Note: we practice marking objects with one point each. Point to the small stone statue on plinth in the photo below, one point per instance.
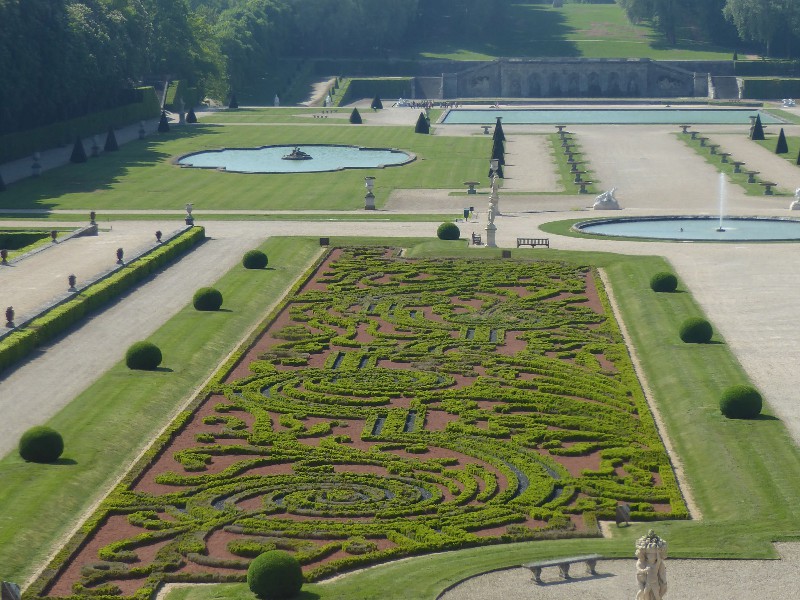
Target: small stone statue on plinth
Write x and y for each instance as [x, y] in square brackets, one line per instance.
[276, 102]
[795, 205]
[10, 316]
[491, 228]
[651, 569]
[494, 198]
[189, 217]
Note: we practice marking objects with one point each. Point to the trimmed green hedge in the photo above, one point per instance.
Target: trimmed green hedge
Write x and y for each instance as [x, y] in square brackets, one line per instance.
[764, 89]
[41, 444]
[767, 68]
[24, 143]
[179, 89]
[14, 240]
[664, 282]
[275, 575]
[44, 328]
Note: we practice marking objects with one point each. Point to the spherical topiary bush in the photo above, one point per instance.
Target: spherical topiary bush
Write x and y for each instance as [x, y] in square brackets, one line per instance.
[740, 402]
[143, 356]
[254, 259]
[207, 298]
[275, 575]
[41, 445]
[663, 282]
[696, 331]
[448, 231]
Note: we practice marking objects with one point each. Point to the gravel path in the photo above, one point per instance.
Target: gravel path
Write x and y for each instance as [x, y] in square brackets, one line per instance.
[616, 580]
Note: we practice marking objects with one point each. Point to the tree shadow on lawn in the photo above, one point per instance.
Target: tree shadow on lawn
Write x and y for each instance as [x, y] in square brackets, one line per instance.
[99, 174]
[521, 30]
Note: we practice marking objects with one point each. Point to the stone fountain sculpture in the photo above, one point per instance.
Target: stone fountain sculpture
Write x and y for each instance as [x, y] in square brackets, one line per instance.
[606, 201]
[651, 568]
[795, 205]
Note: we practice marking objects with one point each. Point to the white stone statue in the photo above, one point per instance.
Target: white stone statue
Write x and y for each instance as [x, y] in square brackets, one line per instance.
[651, 568]
[276, 101]
[490, 215]
[606, 201]
[796, 203]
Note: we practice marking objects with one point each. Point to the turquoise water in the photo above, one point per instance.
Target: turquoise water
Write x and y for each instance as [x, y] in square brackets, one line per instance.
[675, 116]
[269, 159]
[696, 228]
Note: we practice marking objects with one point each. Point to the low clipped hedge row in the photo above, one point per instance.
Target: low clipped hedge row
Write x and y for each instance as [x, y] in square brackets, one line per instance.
[44, 328]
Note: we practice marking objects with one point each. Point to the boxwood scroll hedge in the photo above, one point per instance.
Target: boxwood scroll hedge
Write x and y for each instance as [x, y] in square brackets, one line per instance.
[44, 328]
[392, 407]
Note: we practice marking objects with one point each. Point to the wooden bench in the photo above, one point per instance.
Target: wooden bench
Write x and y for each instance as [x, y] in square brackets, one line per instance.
[563, 565]
[751, 176]
[723, 156]
[737, 165]
[533, 242]
[583, 185]
[713, 148]
[476, 239]
[703, 141]
[684, 128]
[486, 129]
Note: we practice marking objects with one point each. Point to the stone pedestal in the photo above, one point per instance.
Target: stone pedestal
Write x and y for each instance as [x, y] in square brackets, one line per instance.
[369, 201]
[491, 231]
[795, 205]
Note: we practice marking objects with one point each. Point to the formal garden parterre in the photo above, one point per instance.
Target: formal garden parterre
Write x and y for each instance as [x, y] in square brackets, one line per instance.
[392, 407]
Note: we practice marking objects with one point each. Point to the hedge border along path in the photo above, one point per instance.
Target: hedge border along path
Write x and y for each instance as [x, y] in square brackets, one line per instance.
[42, 329]
[390, 410]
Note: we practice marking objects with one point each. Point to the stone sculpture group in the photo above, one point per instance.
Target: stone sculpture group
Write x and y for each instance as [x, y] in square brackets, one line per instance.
[651, 570]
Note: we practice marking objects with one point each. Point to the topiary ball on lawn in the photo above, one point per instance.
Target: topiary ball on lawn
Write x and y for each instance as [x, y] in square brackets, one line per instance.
[41, 445]
[448, 231]
[143, 356]
[254, 259]
[696, 330]
[207, 298]
[740, 402]
[275, 575]
[663, 282]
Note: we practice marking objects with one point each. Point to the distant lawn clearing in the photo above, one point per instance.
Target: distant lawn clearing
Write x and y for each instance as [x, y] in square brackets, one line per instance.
[576, 30]
[141, 176]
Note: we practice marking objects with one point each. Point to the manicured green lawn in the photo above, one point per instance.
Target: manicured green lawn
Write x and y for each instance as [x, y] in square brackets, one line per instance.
[587, 30]
[140, 176]
[792, 142]
[106, 426]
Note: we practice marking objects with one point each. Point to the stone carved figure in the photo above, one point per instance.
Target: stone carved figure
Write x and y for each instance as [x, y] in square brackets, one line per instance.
[606, 201]
[490, 215]
[795, 205]
[651, 569]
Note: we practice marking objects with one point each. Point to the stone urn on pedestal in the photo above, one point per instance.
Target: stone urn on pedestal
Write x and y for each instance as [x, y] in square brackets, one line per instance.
[369, 199]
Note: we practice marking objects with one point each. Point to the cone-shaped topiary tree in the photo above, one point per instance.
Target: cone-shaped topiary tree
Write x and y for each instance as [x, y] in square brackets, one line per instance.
[422, 125]
[781, 147]
[163, 123]
[355, 117]
[111, 141]
[498, 152]
[78, 152]
[190, 116]
[376, 103]
[2, 184]
[234, 103]
[498, 131]
[757, 131]
[797, 162]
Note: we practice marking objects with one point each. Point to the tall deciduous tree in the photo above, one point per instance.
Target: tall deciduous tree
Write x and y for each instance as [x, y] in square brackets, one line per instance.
[773, 23]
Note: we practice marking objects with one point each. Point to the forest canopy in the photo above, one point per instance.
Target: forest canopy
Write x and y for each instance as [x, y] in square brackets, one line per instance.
[66, 58]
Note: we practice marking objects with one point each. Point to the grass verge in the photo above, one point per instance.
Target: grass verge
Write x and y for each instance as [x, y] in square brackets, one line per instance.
[106, 426]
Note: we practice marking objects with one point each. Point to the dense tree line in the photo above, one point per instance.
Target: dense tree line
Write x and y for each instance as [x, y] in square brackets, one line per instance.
[65, 58]
[774, 25]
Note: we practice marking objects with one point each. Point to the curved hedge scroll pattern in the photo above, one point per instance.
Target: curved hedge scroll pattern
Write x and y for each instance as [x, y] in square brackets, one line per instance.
[395, 407]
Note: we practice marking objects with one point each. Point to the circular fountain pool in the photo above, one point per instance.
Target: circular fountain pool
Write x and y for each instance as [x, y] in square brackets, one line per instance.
[270, 159]
[688, 228]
